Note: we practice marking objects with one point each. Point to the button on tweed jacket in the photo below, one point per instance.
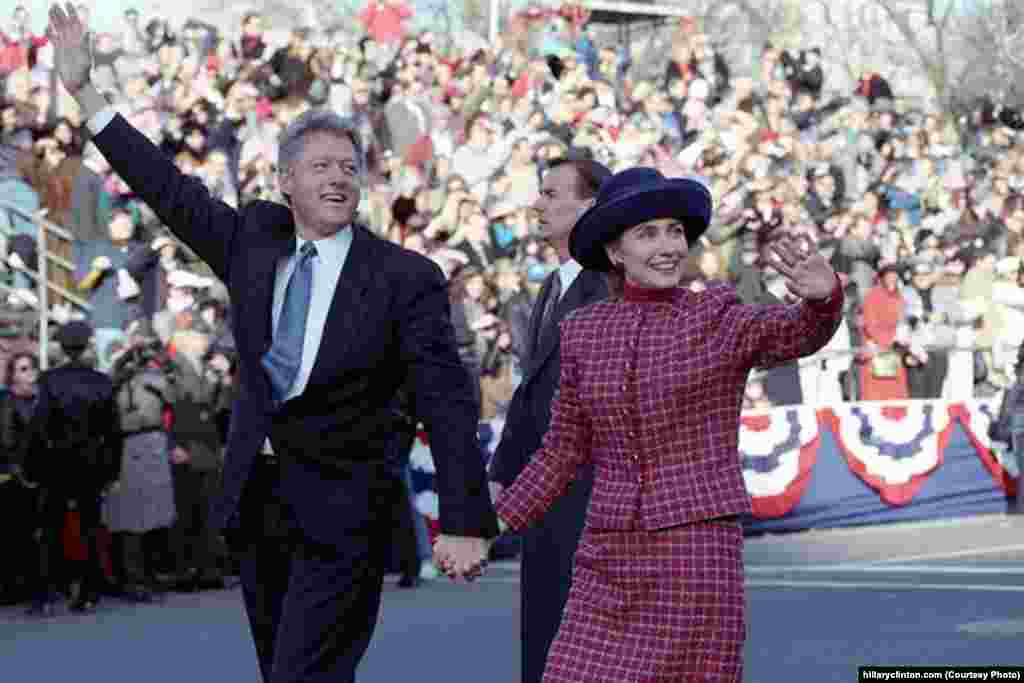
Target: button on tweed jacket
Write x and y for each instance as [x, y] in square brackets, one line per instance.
[650, 392]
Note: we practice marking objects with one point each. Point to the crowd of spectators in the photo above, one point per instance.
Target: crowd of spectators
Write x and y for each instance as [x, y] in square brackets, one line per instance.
[922, 215]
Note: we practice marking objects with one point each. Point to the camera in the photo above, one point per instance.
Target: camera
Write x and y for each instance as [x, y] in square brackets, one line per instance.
[139, 357]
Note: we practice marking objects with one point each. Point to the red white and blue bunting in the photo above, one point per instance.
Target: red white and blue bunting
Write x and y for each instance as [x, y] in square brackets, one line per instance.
[977, 416]
[421, 462]
[778, 450]
[892, 447]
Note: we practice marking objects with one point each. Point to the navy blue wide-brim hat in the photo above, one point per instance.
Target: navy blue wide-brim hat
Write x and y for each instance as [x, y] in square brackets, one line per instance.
[630, 198]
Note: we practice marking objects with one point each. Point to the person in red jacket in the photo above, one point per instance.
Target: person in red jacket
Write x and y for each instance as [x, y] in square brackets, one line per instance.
[384, 20]
[651, 387]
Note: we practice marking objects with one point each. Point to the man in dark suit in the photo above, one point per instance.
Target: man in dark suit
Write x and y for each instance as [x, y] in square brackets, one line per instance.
[329, 322]
[568, 189]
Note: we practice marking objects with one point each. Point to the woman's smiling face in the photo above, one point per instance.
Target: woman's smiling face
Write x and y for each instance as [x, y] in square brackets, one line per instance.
[651, 254]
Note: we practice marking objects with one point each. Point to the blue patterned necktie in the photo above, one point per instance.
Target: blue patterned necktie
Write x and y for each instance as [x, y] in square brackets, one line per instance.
[284, 357]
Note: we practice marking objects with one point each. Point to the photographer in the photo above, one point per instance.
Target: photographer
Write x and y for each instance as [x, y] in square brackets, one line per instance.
[139, 514]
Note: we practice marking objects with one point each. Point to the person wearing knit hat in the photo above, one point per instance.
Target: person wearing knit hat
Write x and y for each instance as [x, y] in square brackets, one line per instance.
[652, 382]
[74, 337]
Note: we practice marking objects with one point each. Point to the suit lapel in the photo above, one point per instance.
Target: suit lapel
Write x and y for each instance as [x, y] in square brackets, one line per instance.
[348, 304]
[586, 288]
[537, 314]
[262, 279]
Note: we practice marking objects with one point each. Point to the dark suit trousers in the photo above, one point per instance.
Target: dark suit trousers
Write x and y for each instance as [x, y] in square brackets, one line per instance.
[195, 543]
[312, 605]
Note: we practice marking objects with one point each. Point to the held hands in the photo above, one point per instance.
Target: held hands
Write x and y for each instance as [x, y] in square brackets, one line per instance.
[808, 275]
[179, 456]
[461, 556]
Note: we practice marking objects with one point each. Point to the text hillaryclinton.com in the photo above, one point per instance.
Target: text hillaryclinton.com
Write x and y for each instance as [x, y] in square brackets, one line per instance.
[939, 673]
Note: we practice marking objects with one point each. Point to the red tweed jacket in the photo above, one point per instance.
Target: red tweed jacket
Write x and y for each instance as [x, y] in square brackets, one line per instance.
[650, 391]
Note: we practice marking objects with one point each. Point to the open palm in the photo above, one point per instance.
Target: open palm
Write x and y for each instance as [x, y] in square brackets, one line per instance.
[806, 271]
[70, 38]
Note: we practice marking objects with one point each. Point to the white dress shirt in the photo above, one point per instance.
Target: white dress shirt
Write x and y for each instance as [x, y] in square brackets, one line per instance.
[100, 119]
[567, 273]
[331, 253]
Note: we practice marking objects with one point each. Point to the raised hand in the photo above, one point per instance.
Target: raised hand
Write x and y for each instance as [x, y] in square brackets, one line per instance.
[461, 556]
[808, 275]
[72, 53]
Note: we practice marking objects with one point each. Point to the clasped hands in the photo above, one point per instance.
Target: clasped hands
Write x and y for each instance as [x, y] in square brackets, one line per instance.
[461, 556]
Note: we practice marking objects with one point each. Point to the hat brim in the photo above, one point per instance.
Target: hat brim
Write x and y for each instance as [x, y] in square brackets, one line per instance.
[681, 198]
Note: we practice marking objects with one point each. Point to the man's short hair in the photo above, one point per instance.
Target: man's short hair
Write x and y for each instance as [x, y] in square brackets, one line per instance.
[590, 174]
[317, 120]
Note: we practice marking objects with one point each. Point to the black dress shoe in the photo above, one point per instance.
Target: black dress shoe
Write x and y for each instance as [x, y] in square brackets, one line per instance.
[186, 582]
[42, 610]
[111, 589]
[84, 605]
[139, 594]
[210, 582]
[408, 581]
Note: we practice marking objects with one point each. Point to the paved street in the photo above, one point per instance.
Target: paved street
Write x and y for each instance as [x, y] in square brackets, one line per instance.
[821, 604]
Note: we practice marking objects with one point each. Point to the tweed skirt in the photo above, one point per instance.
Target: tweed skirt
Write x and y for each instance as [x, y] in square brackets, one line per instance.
[654, 606]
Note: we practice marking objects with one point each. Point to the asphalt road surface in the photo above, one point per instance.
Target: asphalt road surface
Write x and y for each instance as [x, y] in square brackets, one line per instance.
[821, 604]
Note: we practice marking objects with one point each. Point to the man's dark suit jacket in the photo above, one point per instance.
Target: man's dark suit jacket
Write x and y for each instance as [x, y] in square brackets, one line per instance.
[548, 547]
[388, 324]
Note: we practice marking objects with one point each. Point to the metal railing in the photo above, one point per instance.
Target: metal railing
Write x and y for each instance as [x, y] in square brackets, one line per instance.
[41, 276]
[809, 364]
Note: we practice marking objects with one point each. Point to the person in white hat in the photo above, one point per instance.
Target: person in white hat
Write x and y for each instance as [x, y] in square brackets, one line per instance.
[182, 289]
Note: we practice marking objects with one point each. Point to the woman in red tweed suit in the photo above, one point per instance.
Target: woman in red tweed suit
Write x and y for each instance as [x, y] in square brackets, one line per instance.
[650, 392]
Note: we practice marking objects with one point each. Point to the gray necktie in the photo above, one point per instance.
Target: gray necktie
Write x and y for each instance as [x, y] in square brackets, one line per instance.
[284, 357]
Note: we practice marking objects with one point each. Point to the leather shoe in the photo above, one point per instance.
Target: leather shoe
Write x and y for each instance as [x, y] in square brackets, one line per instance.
[42, 610]
[83, 606]
[408, 581]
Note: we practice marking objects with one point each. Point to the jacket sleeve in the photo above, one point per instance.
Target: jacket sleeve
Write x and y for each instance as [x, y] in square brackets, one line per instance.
[35, 463]
[443, 398]
[766, 336]
[208, 226]
[566, 446]
[113, 441]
